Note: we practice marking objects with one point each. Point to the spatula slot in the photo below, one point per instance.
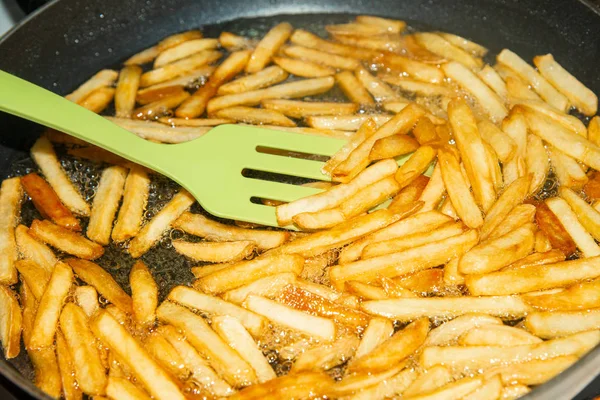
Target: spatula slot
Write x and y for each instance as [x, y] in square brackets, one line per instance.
[293, 154]
[274, 177]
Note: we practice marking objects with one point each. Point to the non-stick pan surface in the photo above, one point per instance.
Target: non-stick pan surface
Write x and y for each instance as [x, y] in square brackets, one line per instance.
[67, 41]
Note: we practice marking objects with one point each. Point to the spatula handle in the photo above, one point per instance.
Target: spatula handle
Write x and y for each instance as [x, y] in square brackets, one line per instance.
[37, 104]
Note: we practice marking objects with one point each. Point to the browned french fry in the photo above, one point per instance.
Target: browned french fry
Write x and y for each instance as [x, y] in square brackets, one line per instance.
[264, 78]
[413, 260]
[517, 217]
[393, 146]
[346, 122]
[416, 165]
[70, 387]
[106, 202]
[89, 371]
[96, 276]
[537, 277]
[144, 294]
[554, 230]
[304, 68]
[528, 73]
[126, 348]
[98, 100]
[179, 68]
[36, 277]
[43, 154]
[533, 372]
[143, 57]
[268, 46]
[438, 45]
[497, 335]
[577, 93]
[135, 195]
[353, 89]
[450, 331]
[183, 50]
[234, 42]
[583, 240]
[407, 197]
[104, 78]
[10, 323]
[592, 187]
[307, 39]
[86, 297]
[491, 78]
[161, 107]
[295, 386]
[65, 240]
[46, 319]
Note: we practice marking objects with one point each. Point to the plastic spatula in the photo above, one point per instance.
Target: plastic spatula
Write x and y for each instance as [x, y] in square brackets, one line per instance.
[209, 167]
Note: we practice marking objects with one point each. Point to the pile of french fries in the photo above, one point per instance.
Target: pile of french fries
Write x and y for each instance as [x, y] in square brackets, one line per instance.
[479, 280]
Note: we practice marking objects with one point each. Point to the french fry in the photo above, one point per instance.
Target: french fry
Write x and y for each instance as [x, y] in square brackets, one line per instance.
[304, 38]
[491, 78]
[86, 297]
[328, 356]
[179, 68]
[154, 229]
[497, 335]
[395, 349]
[127, 86]
[367, 129]
[96, 276]
[568, 171]
[393, 146]
[264, 78]
[65, 240]
[366, 291]
[126, 348]
[519, 91]
[548, 257]
[586, 214]
[196, 104]
[426, 281]
[450, 331]
[357, 29]
[388, 387]
[390, 25]
[254, 116]
[517, 217]
[33, 250]
[98, 155]
[356, 382]
[143, 57]
[234, 42]
[416, 165]
[378, 330]
[465, 44]
[528, 73]
[537, 277]
[46, 371]
[532, 372]
[580, 296]
[408, 261]
[135, 196]
[458, 190]
[216, 252]
[144, 294]
[301, 109]
[194, 122]
[46, 319]
[555, 324]
[569, 221]
[380, 91]
[104, 78]
[190, 80]
[89, 371]
[177, 39]
[537, 163]
[577, 93]
[165, 354]
[10, 323]
[408, 309]
[416, 69]
[35, 276]
[346, 122]
[223, 358]
[353, 89]
[10, 207]
[542, 244]
[184, 50]
[237, 337]
[161, 107]
[106, 202]
[98, 100]
[556, 233]
[570, 122]
[291, 386]
[304, 68]
[60, 137]
[504, 146]
[267, 287]
[268, 46]
[461, 388]
[70, 386]
[594, 130]
[121, 388]
[415, 86]
[592, 187]
[438, 45]
[320, 327]
[428, 381]
[409, 195]
[44, 156]
[302, 88]
[321, 57]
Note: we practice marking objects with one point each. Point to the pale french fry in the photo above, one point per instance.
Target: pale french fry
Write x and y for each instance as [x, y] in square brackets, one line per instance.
[395, 349]
[517, 217]
[366, 291]
[303, 68]
[353, 88]
[554, 324]
[33, 250]
[568, 121]
[165, 354]
[46, 319]
[428, 381]
[407, 309]
[161, 107]
[190, 80]
[537, 277]
[237, 337]
[10, 322]
[264, 78]
[533, 372]
[121, 388]
[497, 335]
[144, 294]
[178, 38]
[416, 165]
[143, 57]
[254, 116]
[98, 277]
[106, 202]
[438, 45]
[89, 371]
[179, 68]
[491, 78]
[515, 126]
[268, 46]
[380, 91]
[126, 348]
[98, 100]
[586, 214]
[234, 42]
[292, 386]
[307, 39]
[483, 357]
[63, 138]
[11, 195]
[519, 91]
[367, 129]
[301, 109]
[577, 93]
[415, 86]
[65, 240]
[151, 232]
[504, 146]
[70, 386]
[408, 196]
[46, 371]
[418, 70]
[223, 358]
[127, 86]
[459, 389]
[418, 223]
[378, 330]
[412, 260]
[346, 123]
[184, 50]
[450, 331]
[295, 89]
[321, 57]
[390, 25]
[104, 78]
[322, 328]
[568, 219]
[458, 190]
[35, 276]
[537, 163]
[135, 196]
[357, 29]
[388, 387]
[528, 73]
[43, 154]
[86, 297]
[266, 287]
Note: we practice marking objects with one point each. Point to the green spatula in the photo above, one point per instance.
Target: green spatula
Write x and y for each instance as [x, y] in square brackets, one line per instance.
[210, 167]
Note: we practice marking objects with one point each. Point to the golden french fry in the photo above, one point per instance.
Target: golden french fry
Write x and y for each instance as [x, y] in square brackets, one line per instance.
[184, 50]
[542, 244]
[416, 69]
[556, 233]
[579, 296]
[548, 257]
[10, 322]
[346, 122]
[292, 386]
[321, 57]
[416, 165]
[267, 287]
[428, 381]
[189, 79]
[517, 217]
[215, 251]
[179, 68]
[178, 38]
[491, 78]
[154, 229]
[353, 89]
[390, 25]
[104, 78]
[35, 276]
[465, 44]
[537, 163]
[33, 250]
[11, 195]
[121, 388]
[577, 93]
[300, 109]
[86, 297]
[358, 29]
[536, 277]
[43, 154]
[378, 330]
[98, 100]
[89, 371]
[365, 290]
[532, 372]
[161, 107]
[135, 196]
[46, 318]
[234, 42]
[46, 371]
[143, 57]
[594, 130]
[570, 122]
[223, 358]
[98, 277]
[415, 86]
[254, 116]
[106, 202]
[497, 335]
[328, 356]
[504, 146]
[586, 214]
[426, 281]
[302, 88]
[144, 294]
[519, 91]
[438, 45]
[554, 324]
[126, 348]
[408, 197]
[568, 171]
[303, 68]
[165, 354]
[264, 78]
[367, 129]
[65, 240]
[380, 91]
[237, 337]
[388, 386]
[407, 309]
[304, 38]
[569, 221]
[70, 386]
[450, 331]
[268, 46]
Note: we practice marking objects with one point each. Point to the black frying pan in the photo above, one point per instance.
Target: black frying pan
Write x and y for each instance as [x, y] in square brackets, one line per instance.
[65, 42]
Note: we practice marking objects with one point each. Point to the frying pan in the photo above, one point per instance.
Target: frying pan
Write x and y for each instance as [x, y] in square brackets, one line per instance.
[66, 41]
